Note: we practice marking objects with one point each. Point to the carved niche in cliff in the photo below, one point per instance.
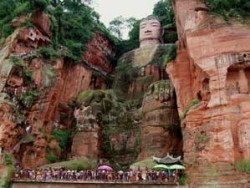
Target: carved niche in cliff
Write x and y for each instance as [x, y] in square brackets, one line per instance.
[230, 77]
[237, 78]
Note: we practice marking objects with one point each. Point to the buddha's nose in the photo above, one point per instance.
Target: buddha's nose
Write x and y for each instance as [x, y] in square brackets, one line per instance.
[147, 31]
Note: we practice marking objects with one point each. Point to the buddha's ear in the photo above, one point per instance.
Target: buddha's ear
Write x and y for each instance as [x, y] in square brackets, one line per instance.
[162, 32]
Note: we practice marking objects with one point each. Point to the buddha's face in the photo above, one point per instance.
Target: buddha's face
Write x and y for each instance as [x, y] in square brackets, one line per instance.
[150, 30]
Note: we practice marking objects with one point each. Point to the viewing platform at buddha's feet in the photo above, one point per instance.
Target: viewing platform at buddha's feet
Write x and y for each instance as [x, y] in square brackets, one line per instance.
[93, 184]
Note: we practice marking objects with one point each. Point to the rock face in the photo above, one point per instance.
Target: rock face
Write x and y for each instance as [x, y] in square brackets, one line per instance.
[105, 130]
[101, 47]
[37, 93]
[212, 67]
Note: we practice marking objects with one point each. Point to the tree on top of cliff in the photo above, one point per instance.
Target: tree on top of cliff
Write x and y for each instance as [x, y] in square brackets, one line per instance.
[73, 22]
[164, 11]
[11, 9]
[72, 26]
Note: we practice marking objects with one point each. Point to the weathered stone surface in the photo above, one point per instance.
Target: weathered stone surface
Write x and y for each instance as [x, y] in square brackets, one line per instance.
[212, 66]
[85, 145]
[102, 50]
[43, 103]
[41, 20]
[8, 132]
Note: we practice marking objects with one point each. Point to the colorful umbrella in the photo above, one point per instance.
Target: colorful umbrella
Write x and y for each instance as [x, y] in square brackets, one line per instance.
[177, 167]
[105, 167]
[161, 167]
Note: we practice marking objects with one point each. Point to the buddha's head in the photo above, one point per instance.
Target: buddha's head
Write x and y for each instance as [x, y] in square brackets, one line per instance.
[150, 31]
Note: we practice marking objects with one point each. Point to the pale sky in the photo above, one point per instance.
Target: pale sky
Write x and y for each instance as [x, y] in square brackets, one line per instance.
[110, 9]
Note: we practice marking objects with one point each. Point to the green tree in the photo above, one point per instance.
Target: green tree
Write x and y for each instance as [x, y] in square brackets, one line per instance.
[73, 26]
[9, 10]
[230, 8]
[116, 26]
[164, 11]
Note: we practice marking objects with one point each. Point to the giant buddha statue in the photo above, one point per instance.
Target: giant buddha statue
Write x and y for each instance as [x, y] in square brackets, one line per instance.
[141, 81]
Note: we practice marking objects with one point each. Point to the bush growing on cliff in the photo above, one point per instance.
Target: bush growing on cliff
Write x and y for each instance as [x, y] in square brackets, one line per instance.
[49, 52]
[170, 55]
[190, 106]
[243, 166]
[41, 4]
[51, 158]
[230, 8]
[5, 177]
[27, 99]
[62, 137]
[8, 159]
[9, 10]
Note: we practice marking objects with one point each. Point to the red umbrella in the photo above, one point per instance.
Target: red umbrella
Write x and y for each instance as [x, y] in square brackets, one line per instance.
[105, 167]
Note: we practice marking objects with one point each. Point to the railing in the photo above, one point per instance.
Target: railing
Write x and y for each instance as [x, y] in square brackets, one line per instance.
[100, 178]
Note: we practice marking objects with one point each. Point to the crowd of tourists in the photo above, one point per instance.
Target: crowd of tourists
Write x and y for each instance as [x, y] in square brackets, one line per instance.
[98, 175]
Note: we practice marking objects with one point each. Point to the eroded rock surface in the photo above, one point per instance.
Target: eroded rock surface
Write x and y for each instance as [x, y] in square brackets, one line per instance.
[40, 91]
[211, 79]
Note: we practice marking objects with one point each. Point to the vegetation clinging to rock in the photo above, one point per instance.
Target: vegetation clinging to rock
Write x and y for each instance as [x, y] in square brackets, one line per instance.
[190, 106]
[230, 8]
[62, 137]
[243, 166]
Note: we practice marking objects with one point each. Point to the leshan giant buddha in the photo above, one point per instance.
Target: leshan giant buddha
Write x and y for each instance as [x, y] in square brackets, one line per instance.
[142, 82]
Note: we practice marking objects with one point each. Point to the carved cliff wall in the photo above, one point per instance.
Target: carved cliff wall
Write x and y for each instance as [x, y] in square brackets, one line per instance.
[211, 79]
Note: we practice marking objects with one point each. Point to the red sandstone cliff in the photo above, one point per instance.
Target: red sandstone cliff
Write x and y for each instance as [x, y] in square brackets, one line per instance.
[212, 67]
[31, 109]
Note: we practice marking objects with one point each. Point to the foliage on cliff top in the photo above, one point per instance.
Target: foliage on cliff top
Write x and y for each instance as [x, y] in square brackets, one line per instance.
[11, 9]
[73, 23]
[230, 8]
[164, 11]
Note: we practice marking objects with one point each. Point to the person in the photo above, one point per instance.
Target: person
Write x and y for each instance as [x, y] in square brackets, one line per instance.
[150, 31]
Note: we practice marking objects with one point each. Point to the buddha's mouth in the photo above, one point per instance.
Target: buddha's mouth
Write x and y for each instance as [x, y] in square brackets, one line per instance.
[148, 31]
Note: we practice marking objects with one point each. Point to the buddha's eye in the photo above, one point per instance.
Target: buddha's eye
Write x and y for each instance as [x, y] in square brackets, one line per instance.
[155, 25]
